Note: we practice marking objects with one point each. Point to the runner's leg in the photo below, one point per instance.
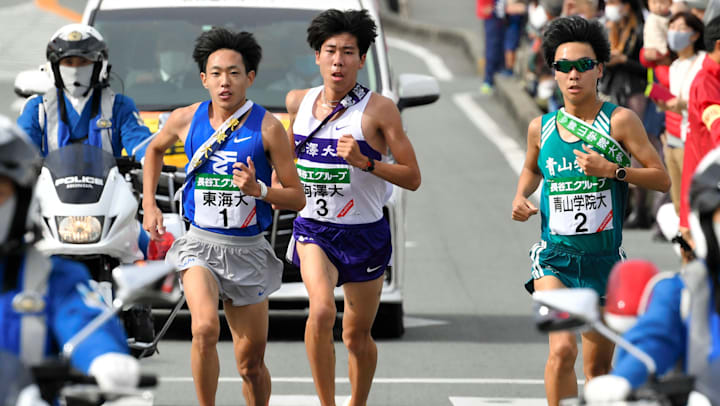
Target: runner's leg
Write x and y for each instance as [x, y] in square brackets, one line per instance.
[320, 277]
[560, 379]
[597, 355]
[361, 304]
[249, 328]
[201, 292]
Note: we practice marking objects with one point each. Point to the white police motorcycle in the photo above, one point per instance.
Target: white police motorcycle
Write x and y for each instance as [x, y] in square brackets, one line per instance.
[88, 213]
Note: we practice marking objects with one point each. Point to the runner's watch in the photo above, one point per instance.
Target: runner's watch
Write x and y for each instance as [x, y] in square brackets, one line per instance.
[263, 189]
[620, 173]
[370, 165]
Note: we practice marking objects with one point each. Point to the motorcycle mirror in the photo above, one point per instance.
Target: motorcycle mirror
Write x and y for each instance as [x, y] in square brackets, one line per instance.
[565, 309]
[30, 82]
[133, 281]
[577, 309]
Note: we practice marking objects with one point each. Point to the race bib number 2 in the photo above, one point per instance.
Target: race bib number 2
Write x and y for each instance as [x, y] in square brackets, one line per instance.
[220, 204]
[580, 206]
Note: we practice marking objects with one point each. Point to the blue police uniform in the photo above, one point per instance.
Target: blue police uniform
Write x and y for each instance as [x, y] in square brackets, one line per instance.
[126, 127]
[676, 330]
[52, 301]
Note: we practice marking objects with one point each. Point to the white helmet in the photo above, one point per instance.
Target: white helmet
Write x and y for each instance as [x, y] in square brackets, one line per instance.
[79, 40]
[20, 162]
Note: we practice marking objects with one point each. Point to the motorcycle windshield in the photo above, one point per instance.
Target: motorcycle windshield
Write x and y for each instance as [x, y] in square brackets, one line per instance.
[79, 172]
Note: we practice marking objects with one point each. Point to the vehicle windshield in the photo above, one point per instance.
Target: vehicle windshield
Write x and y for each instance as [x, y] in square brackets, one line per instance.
[151, 53]
[78, 172]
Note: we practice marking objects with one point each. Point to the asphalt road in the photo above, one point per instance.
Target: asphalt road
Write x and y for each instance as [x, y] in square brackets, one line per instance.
[469, 338]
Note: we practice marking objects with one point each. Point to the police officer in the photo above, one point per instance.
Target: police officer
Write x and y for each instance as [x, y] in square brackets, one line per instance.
[682, 321]
[45, 301]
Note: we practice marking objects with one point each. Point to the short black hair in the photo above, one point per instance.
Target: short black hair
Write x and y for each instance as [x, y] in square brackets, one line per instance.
[575, 29]
[712, 34]
[696, 24]
[329, 23]
[218, 38]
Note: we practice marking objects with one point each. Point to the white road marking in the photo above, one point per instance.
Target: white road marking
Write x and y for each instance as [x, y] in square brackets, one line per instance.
[411, 322]
[434, 63]
[412, 381]
[469, 401]
[511, 150]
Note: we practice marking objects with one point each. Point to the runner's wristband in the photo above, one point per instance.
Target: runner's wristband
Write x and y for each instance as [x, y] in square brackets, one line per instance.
[263, 189]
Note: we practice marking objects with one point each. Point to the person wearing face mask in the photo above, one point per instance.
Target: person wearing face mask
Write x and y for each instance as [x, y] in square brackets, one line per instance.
[703, 118]
[685, 38]
[624, 82]
[82, 107]
[44, 301]
[681, 324]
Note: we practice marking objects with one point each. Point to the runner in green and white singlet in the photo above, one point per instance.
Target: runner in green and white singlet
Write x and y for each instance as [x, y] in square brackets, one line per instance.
[582, 154]
[582, 212]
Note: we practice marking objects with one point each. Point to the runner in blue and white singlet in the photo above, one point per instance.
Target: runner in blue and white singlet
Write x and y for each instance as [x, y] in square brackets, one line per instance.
[210, 200]
[233, 146]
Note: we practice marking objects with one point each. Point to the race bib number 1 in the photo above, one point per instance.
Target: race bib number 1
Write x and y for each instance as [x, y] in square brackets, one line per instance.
[220, 204]
[580, 206]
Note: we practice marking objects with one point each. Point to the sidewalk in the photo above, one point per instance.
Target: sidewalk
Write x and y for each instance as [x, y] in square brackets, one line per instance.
[455, 23]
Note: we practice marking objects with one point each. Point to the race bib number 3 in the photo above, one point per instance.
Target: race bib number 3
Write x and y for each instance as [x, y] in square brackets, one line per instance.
[580, 206]
[220, 204]
[327, 191]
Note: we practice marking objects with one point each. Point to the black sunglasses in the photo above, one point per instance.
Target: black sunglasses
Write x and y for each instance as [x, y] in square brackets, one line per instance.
[581, 65]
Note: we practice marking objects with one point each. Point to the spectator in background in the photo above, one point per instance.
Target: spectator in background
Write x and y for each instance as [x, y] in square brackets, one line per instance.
[655, 30]
[678, 6]
[703, 117]
[516, 11]
[492, 12]
[624, 80]
[685, 38]
[588, 9]
[543, 86]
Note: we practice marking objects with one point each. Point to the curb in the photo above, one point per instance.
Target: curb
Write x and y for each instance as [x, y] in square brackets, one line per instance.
[508, 90]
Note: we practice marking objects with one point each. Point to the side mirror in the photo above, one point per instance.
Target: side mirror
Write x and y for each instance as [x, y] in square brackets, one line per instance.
[133, 282]
[31, 82]
[577, 309]
[417, 90]
[566, 309]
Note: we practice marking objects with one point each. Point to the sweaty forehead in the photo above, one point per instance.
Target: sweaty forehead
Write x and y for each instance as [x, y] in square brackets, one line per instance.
[574, 50]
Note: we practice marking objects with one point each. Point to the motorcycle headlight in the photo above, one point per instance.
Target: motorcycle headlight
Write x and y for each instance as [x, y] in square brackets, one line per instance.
[79, 229]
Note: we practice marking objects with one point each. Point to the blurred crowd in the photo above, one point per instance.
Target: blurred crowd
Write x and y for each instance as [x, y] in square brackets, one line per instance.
[657, 49]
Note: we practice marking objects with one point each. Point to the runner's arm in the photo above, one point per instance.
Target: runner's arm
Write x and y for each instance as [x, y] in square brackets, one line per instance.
[628, 130]
[292, 104]
[175, 128]
[289, 193]
[530, 175]
[405, 171]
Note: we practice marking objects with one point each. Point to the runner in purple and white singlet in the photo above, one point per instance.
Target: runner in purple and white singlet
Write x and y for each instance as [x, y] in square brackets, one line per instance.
[343, 134]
